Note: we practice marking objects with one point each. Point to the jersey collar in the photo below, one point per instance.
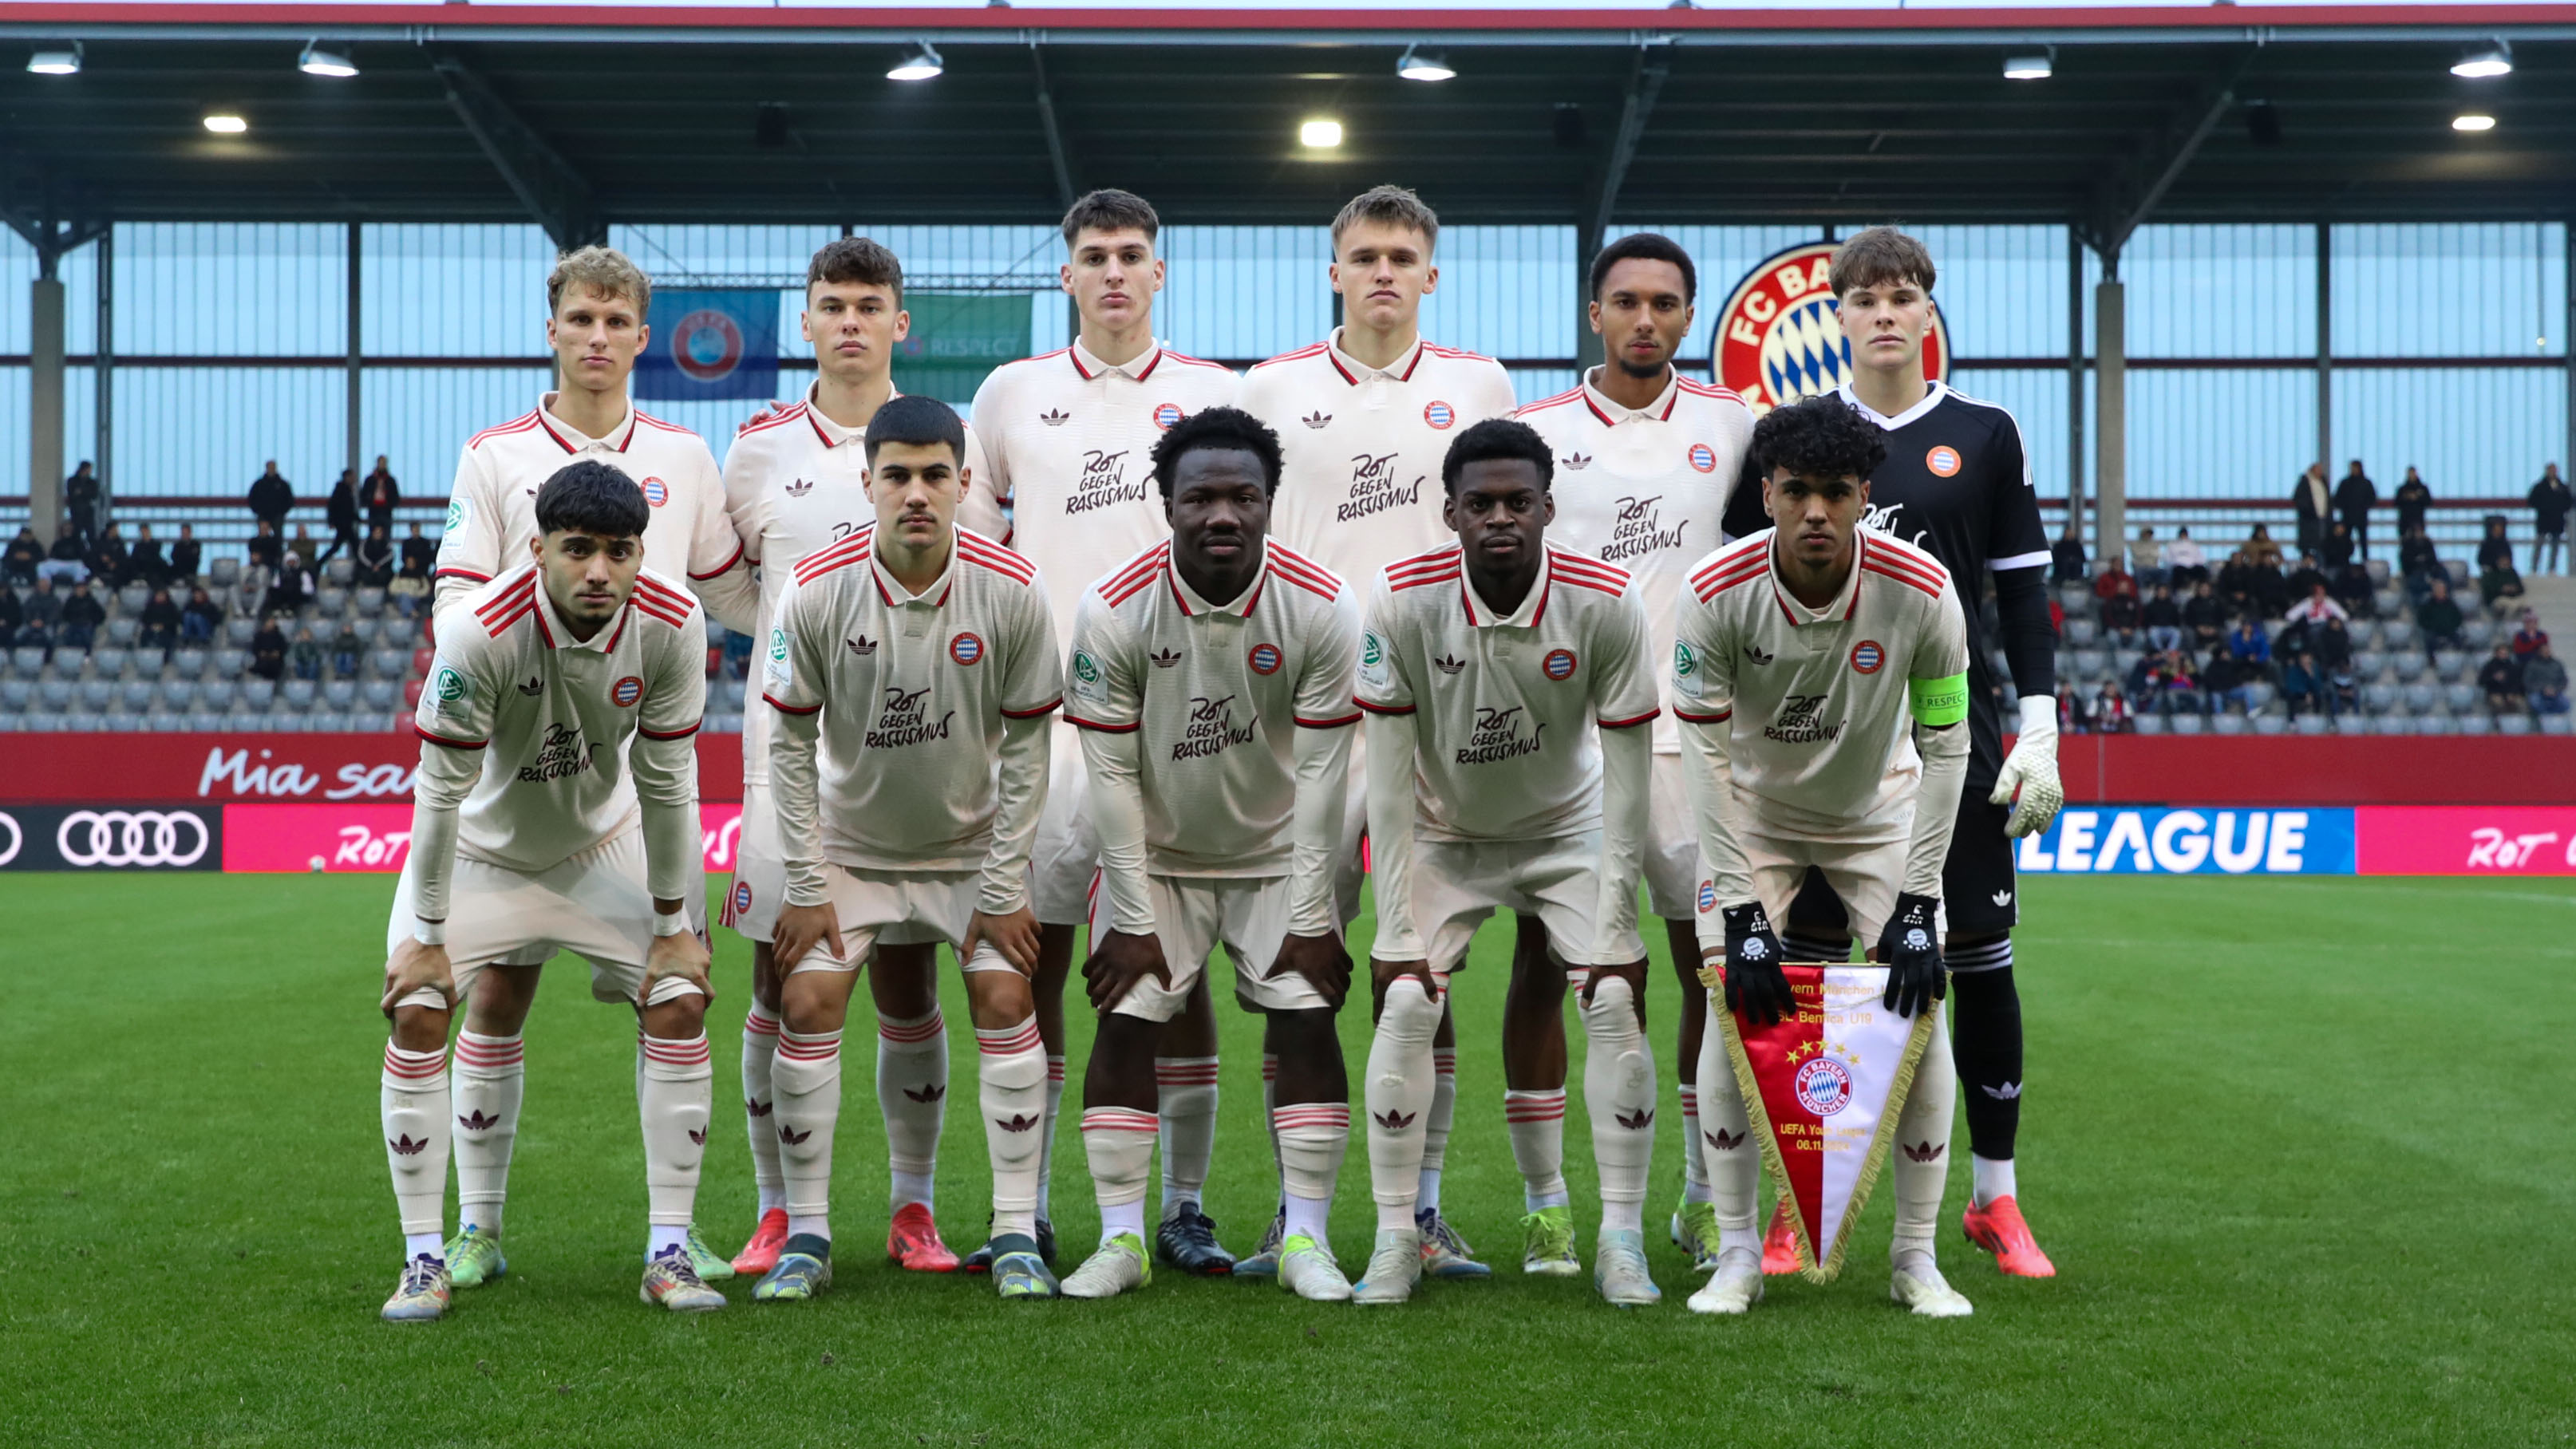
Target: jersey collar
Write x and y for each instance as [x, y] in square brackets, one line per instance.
[1354, 371]
[896, 596]
[1091, 367]
[1933, 393]
[1612, 414]
[832, 434]
[574, 440]
[1532, 609]
[1192, 606]
[1840, 607]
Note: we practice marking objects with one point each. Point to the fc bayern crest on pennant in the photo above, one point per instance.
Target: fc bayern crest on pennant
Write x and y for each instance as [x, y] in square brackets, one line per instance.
[1439, 414]
[1559, 664]
[1166, 415]
[626, 691]
[1824, 1086]
[966, 648]
[1264, 659]
[1777, 340]
[1866, 657]
[656, 492]
[1703, 457]
[707, 345]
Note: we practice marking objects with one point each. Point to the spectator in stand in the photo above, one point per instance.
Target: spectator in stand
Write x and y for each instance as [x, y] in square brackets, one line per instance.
[2249, 645]
[2500, 585]
[186, 554]
[286, 594]
[380, 495]
[2147, 681]
[410, 588]
[2146, 558]
[2316, 608]
[44, 610]
[67, 562]
[417, 549]
[2332, 643]
[2185, 564]
[2418, 563]
[2066, 556]
[2343, 690]
[26, 551]
[340, 513]
[2309, 575]
[2120, 607]
[2236, 584]
[2528, 636]
[305, 656]
[2162, 618]
[82, 616]
[2112, 578]
[302, 543]
[146, 562]
[2354, 497]
[265, 548]
[268, 650]
[2414, 502]
[2182, 686]
[2496, 576]
[160, 620]
[2271, 592]
[2205, 615]
[2352, 589]
[2110, 711]
[2302, 685]
[345, 649]
[2550, 504]
[80, 500]
[2311, 504]
[107, 558]
[271, 498]
[13, 616]
[2439, 617]
[2493, 547]
[2500, 680]
[2338, 550]
[2074, 715]
[2544, 681]
[201, 618]
[2263, 550]
[376, 557]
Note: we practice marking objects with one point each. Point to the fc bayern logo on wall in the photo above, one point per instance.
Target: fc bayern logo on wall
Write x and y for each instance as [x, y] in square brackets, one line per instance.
[1777, 339]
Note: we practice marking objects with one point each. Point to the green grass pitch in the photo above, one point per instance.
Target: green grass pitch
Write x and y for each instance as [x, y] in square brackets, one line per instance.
[2300, 1148]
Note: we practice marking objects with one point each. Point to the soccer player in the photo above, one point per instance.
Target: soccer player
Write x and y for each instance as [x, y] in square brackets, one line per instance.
[905, 662]
[1485, 668]
[1957, 484]
[557, 808]
[1212, 679]
[1802, 758]
[795, 482]
[1067, 435]
[597, 301]
[1645, 458]
[1363, 418]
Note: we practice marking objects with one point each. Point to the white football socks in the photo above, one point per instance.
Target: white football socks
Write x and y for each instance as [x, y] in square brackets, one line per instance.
[1734, 1163]
[912, 1095]
[491, 1078]
[1119, 1142]
[1694, 1149]
[1186, 1103]
[1050, 1110]
[1312, 1137]
[1919, 1163]
[1011, 1079]
[1435, 1126]
[1991, 1179]
[1397, 1096]
[412, 1103]
[759, 1101]
[808, 1079]
[1619, 1097]
[674, 1098]
[1537, 1123]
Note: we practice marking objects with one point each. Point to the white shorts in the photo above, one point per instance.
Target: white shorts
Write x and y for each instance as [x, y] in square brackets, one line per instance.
[595, 905]
[1067, 854]
[1671, 854]
[1457, 884]
[759, 869]
[1865, 876]
[900, 908]
[1193, 915]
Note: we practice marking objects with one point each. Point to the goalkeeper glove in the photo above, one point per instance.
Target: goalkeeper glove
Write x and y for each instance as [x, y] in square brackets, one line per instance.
[1755, 986]
[2028, 780]
[1910, 947]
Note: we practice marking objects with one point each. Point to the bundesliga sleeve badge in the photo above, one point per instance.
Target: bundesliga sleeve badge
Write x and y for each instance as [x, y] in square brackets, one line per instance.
[1777, 339]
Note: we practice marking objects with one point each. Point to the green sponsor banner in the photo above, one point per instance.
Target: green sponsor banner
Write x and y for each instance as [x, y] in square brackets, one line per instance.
[957, 339]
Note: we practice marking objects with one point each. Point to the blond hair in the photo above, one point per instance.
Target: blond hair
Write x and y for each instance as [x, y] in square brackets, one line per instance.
[603, 271]
[1389, 206]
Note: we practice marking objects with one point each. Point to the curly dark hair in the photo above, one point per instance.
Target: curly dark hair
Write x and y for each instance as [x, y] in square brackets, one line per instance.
[1221, 430]
[592, 497]
[1818, 437]
[1498, 438]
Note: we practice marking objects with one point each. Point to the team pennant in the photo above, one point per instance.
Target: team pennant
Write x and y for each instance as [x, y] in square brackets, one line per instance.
[1824, 1088]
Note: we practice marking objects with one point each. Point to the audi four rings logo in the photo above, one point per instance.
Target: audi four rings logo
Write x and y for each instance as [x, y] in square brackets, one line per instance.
[17, 837]
[125, 838]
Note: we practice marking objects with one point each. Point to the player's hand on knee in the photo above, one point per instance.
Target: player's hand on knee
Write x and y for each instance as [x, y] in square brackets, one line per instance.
[800, 929]
[1756, 988]
[415, 965]
[1013, 934]
[677, 958]
[1120, 960]
[1320, 959]
[1387, 973]
[1632, 972]
[1910, 945]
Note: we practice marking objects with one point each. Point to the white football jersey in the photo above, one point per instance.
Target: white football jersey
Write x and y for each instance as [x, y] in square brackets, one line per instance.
[1070, 442]
[913, 691]
[1507, 704]
[1644, 488]
[492, 510]
[795, 482]
[1218, 692]
[1360, 484]
[553, 716]
[1821, 739]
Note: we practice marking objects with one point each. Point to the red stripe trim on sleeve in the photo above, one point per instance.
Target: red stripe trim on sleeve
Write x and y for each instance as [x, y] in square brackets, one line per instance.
[452, 573]
[787, 708]
[1383, 708]
[1721, 717]
[1304, 723]
[444, 740]
[720, 569]
[1627, 724]
[1047, 708]
[1093, 724]
[675, 734]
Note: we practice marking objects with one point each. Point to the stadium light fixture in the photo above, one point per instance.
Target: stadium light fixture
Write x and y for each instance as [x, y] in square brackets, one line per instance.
[1320, 135]
[2473, 121]
[2485, 63]
[1418, 65]
[2029, 67]
[56, 62]
[317, 61]
[921, 64]
[225, 123]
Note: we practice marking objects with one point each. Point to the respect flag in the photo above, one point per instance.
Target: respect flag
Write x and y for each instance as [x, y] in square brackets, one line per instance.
[710, 344]
[1824, 1088]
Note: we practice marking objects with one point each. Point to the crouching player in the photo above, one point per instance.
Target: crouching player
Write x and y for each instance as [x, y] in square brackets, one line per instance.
[1485, 668]
[1799, 653]
[903, 662]
[1212, 681]
[556, 809]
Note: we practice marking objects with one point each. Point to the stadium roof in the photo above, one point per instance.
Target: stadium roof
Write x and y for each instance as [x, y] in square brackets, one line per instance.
[582, 115]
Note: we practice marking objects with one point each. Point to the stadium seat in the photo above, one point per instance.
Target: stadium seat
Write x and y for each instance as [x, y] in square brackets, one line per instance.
[2463, 698]
[258, 693]
[2379, 698]
[2476, 722]
[243, 721]
[2550, 724]
[2262, 695]
[132, 598]
[725, 724]
[2269, 724]
[380, 694]
[2080, 632]
[224, 572]
[11, 722]
[135, 695]
[2450, 664]
[96, 696]
[2378, 570]
[28, 660]
[2391, 724]
[2391, 603]
[2420, 698]
[239, 630]
[420, 660]
[54, 695]
[16, 695]
[340, 571]
[2513, 724]
[370, 601]
[2440, 724]
[2368, 664]
[2227, 724]
[187, 663]
[411, 692]
[108, 661]
[2186, 724]
[339, 694]
[2088, 663]
[2149, 724]
[297, 694]
[124, 630]
[2478, 634]
[38, 722]
[2410, 665]
[178, 694]
[123, 722]
[2398, 633]
[83, 722]
[228, 663]
[202, 722]
[384, 663]
[217, 695]
[331, 603]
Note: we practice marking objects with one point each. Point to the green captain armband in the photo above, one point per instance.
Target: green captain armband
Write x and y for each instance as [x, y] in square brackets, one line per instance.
[1938, 703]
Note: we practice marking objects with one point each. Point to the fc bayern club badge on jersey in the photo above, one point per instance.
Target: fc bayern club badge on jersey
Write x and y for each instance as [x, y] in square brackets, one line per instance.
[1777, 337]
[1824, 1088]
[710, 345]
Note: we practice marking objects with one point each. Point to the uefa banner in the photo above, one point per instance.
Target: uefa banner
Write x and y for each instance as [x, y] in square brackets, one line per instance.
[710, 345]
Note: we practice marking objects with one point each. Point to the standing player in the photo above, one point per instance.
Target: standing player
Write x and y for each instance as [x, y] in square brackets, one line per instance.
[597, 301]
[1802, 760]
[1644, 459]
[557, 808]
[1212, 679]
[1363, 418]
[795, 482]
[1957, 484]
[1067, 436]
[1485, 668]
[917, 655]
